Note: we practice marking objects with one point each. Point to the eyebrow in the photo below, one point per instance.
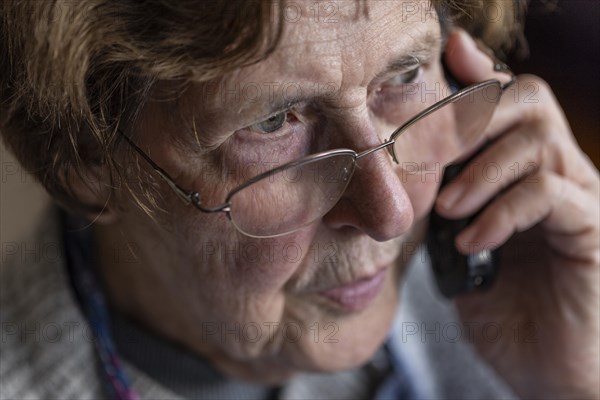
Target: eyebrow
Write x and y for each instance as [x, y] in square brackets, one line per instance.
[421, 51]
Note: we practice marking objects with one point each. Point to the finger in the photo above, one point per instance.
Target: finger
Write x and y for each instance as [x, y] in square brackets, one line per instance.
[530, 107]
[530, 99]
[506, 161]
[563, 208]
[467, 62]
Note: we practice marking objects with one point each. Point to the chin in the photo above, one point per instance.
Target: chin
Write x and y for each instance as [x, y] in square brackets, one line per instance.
[345, 340]
[332, 338]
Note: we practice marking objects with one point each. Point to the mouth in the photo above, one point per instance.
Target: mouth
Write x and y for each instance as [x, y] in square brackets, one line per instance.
[357, 295]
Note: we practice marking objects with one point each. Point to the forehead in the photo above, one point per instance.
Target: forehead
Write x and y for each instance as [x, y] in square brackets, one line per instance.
[329, 45]
[347, 34]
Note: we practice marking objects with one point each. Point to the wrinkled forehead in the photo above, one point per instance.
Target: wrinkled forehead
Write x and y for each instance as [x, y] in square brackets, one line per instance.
[347, 21]
[326, 46]
[346, 34]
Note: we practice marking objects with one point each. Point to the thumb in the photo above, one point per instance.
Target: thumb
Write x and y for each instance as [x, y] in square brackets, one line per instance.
[467, 62]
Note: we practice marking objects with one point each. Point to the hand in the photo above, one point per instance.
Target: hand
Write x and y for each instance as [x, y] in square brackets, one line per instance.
[542, 314]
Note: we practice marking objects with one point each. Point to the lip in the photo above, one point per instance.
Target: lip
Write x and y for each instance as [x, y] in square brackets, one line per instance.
[357, 295]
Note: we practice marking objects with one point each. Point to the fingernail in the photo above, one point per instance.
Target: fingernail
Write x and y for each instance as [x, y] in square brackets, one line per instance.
[467, 237]
[450, 196]
[467, 37]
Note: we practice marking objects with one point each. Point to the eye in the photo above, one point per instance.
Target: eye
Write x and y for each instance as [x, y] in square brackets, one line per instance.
[404, 78]
[400, 97]
[279, 138]
[271, 124]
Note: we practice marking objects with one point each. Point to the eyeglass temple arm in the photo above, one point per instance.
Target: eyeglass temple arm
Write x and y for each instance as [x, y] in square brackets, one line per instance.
[182, 193]
[188, 196]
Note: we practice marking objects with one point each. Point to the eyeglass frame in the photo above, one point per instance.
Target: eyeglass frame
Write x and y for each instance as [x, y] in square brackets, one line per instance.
[193, 197]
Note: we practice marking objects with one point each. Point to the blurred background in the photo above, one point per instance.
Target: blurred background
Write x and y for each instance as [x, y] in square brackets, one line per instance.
[564, 49]
[564, 44]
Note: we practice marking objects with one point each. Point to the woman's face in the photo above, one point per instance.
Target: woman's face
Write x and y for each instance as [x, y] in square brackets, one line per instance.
[322, 298]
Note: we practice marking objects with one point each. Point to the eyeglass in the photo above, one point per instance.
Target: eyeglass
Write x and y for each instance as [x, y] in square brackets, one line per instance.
[296, 194]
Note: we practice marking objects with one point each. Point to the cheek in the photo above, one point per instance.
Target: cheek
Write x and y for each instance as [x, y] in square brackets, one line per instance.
[223, 265]
[204, 261]
[244, 266]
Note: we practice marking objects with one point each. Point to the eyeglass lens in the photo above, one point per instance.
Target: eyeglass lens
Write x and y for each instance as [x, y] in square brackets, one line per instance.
[291, 198]
[448, 132]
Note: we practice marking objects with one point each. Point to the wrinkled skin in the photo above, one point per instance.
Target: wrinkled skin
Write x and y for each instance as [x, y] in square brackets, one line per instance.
[196, 280]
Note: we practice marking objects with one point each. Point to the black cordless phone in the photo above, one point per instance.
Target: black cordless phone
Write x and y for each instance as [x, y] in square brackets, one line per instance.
[454, 272]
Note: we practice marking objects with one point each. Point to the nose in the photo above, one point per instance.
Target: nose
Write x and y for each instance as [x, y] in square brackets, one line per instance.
[375, 201]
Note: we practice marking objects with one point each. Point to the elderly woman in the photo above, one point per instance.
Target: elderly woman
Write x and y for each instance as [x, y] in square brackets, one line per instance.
[246, 183]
